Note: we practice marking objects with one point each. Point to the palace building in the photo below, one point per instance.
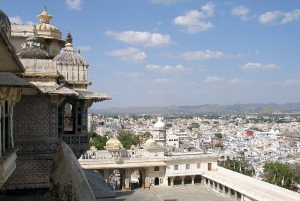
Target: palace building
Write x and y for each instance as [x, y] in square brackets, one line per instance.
[44, 104]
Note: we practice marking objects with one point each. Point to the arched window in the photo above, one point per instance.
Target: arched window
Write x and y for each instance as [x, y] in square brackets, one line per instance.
[68, 117]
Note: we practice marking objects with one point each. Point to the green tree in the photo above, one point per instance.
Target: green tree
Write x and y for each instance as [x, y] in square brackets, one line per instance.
[98, 141]
[128, 138]
[168, 125]
[276, 172]
[193, 125]
[147, 135]
[218, 135]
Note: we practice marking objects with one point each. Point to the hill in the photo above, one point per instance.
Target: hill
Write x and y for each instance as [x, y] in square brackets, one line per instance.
[206, 108]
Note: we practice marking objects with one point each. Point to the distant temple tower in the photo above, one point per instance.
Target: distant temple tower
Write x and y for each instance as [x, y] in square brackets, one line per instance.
[159, 132]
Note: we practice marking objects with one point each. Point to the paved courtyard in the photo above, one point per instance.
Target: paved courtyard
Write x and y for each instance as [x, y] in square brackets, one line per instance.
[176, 193]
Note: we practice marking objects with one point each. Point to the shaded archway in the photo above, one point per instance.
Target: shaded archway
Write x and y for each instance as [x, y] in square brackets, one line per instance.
[169, 181]
[136, 179]
[156, 181]
[187, 180]
[177, 180]
[115, 179]
[198, 179]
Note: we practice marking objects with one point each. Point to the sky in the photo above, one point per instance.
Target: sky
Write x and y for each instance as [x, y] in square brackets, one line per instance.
[180, 52]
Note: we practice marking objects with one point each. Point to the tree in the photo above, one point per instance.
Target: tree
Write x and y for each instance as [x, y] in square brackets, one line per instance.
[218, 135]
[193, 125]
[128, 138]
[168, 125]
[98, 141]
[279, 174]
[147, 135]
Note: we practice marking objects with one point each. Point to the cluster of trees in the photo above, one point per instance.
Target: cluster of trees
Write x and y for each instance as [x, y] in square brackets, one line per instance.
[284, 175]
[238, 166]
[98, 141]
[193, 125]
[218, 135]
[128, 138]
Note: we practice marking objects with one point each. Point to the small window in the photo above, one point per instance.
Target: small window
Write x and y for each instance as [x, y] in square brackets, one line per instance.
[198, 165]
[156, 168]
[176, 167]
[187, 166]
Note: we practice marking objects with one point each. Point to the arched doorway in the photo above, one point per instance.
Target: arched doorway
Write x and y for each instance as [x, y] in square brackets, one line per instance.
[169, 181]
[187, 180]
[136, 179]
[177, 181]
[115, 179]
[197, 179]
[156, 181]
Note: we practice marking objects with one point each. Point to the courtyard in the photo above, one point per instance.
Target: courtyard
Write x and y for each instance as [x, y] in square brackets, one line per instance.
[176, 193]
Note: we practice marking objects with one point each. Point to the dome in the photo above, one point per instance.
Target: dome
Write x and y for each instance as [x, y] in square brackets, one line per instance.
[113, 143]
[5, 23]
[150, 142]
[32, 50]
[69, 56]
[159, 123]
[45, 29]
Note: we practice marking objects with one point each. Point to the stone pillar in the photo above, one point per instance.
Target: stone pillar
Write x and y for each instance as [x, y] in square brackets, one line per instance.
[172, 181]
[182, 180]
[242, 197]
[223, 189]
[235, 195]
[106, 174]
[202, 180]
[193, 179]
[229, 192]
[147, 179]
[127, 178]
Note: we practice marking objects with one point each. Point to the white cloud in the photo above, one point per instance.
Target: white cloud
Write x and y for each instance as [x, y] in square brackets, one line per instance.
[129, 75]
[202, 55]
[258, 66]
[83, 48]
[193, 20]
[242, 12]
[141, 38]
[219, 80]
[214, 79]
[130, 54]
[290, 16]
[168, 69]
[161, 81]
[270, 17]
[279, 17]
[15, 19]
[74, 4]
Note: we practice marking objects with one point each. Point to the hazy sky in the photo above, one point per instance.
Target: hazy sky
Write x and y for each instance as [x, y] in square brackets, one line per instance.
[180, 52]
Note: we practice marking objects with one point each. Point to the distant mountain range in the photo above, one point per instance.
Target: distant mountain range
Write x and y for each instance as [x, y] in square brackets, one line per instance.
[207, 108]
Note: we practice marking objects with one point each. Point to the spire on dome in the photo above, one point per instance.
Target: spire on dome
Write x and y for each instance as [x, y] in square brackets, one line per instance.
[44, 17]
[69, 38]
